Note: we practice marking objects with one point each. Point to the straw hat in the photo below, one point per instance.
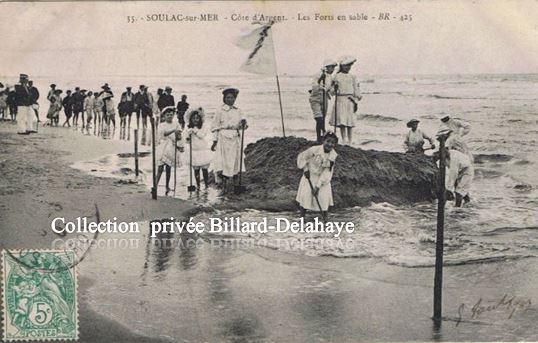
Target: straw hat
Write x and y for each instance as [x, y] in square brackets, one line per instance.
[412, 121]
[198, 110]
[231, 90]
[168, 109]
[347, 60]
[329, 62]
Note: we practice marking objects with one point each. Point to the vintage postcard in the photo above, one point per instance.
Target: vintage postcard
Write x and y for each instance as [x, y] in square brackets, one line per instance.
[269, 171]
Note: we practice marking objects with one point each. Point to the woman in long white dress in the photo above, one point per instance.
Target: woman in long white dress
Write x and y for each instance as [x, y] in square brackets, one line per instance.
[169, 140]
[227, 127]
[347, 95]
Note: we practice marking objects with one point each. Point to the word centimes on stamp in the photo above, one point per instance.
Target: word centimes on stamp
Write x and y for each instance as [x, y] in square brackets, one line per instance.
[39, 295]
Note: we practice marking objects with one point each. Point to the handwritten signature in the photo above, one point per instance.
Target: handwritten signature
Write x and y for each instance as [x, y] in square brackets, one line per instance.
[508, 304]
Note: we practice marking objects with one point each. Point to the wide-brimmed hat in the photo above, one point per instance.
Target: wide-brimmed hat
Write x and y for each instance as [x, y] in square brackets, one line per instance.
[59, 91]
[52, 85]
[409, 123]
[329, 62]
[168, 109]
[23, 76]
[198, 110]
[347, 60]
[129, 88]
[444, 117]
[231, 90]
[105, 86]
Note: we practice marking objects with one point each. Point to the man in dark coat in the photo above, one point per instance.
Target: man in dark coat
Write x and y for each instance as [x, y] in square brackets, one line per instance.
[12, 103]
[78, 105]
[182, 107]
[24, 102]
[166, 99]
[126, 105]
[67, 104]
[34, 96]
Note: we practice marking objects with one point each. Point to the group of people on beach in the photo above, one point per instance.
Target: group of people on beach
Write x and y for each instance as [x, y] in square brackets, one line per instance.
[176, 127]
[335, 91]
[224, 157]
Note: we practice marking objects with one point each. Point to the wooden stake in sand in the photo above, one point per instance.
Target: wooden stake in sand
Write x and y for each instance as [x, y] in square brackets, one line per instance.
[439, 243]
[154, 188]
[136, 151]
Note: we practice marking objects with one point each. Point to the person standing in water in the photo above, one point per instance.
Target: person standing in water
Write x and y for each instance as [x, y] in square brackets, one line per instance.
[182, 107]
[78, 106]
[98, 106]
[228, 124]
[317, 163]
[458, 129]
[347, 95]
[55, 107]
[67, 104]
[201, 154]
[127, 105]
[169, 140]
[459, 177]
[89, 102]
[319, 96]
[414, 140]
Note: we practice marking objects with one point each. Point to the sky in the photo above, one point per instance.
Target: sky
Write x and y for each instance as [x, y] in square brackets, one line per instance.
[94, 38]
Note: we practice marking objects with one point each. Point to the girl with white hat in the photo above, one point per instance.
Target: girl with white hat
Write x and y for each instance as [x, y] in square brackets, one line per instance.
[347, 93]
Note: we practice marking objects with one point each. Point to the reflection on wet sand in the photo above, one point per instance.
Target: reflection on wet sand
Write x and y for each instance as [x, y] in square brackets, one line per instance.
[236, 322]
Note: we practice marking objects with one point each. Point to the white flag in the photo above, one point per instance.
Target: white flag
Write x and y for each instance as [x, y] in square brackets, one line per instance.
[261, 59]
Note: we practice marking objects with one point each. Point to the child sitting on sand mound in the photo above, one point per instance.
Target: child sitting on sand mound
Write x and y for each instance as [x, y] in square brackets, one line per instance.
[317, 162]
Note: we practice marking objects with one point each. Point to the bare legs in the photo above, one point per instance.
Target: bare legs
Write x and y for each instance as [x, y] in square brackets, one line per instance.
[205, 174]
[160, 170]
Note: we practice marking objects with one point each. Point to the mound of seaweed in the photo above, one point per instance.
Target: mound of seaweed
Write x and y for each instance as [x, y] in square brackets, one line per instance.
[360, 176]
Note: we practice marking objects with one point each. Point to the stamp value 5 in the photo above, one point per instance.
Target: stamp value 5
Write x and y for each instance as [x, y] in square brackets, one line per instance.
[39, 295]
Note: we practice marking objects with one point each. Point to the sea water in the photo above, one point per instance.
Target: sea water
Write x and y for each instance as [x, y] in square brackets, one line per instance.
[501, 220]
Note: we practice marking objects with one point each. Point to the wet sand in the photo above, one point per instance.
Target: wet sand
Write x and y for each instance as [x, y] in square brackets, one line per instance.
[216, 292]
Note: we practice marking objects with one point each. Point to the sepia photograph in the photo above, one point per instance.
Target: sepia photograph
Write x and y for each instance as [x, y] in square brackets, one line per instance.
[269, 171]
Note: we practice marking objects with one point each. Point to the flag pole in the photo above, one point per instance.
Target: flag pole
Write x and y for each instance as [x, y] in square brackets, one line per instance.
[278, 83]
[280, 102]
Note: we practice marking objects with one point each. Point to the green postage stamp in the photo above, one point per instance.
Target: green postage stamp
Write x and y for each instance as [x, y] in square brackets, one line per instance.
[39, 295]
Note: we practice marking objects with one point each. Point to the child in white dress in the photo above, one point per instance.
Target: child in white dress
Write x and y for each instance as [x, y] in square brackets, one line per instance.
[169, 139]
[317, 163]
[201, 153]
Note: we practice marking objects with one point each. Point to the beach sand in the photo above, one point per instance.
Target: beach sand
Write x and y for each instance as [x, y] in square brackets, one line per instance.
[222, 293]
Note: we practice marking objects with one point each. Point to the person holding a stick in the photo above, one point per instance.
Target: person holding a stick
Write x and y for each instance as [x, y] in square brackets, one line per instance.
[228, 126]
[199, 156]
[317, 163]
[414, 140]
[319, 96]
[169, 140]
[347, 95]
[459, 177]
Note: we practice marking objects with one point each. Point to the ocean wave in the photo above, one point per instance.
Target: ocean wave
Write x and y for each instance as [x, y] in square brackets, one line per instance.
[377, 117]
[483, 158]
[504, 229]
[447, 262]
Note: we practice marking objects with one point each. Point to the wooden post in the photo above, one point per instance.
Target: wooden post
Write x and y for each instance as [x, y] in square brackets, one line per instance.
[136, 151]
[439, 242]
[280, 102]
[154, 188]
[335, 106]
